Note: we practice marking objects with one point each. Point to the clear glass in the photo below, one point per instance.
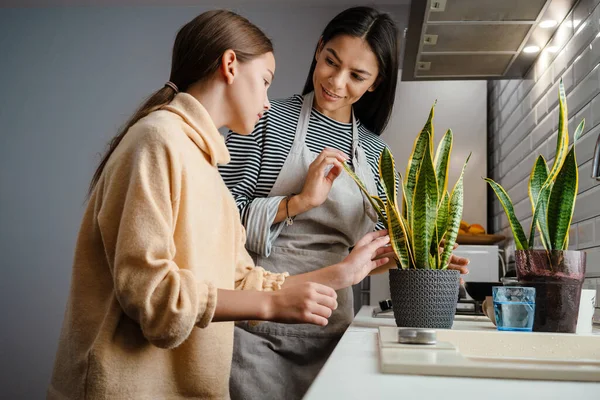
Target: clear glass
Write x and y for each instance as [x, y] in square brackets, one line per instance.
[514, 307]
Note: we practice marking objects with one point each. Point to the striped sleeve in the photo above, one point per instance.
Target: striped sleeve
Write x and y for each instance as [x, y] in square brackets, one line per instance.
[242, 176]
[261, 230]
[242, 173]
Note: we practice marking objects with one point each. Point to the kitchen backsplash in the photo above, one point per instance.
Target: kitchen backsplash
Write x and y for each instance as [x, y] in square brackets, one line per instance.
[523, 120]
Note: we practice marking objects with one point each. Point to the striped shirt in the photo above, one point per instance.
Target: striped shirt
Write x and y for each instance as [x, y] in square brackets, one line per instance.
[257, 159]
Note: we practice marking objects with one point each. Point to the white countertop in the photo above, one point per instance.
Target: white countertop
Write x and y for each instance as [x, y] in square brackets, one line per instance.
[352, 372]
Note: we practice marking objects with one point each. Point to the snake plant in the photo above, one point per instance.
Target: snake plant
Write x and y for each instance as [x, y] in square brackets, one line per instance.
[552, 192]
[424, 223]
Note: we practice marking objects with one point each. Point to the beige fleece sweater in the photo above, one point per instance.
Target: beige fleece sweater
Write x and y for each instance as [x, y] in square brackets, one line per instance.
[160, 233]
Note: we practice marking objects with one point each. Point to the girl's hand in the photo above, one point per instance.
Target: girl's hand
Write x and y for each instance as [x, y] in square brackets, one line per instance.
[303, 303]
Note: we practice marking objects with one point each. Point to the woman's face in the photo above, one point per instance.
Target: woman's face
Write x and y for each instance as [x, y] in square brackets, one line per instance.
[346, 68]
[250, 88]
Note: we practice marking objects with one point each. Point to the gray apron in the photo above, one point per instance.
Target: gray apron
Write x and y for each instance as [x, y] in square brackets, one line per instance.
[280, 361]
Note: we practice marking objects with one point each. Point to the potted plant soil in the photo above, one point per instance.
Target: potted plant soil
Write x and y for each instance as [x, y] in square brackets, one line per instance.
[555, 272]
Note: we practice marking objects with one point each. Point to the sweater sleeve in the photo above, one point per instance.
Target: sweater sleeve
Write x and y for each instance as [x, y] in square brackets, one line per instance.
[136, 221]
[250, 277]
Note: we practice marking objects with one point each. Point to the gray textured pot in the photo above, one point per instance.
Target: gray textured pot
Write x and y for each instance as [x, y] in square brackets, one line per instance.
[424, 298]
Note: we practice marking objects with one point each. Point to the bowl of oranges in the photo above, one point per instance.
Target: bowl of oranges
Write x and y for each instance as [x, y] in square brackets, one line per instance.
[475, 234]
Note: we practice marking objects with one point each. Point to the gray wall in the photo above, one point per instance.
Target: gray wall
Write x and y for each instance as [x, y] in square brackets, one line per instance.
[523, 120]
[70, 77]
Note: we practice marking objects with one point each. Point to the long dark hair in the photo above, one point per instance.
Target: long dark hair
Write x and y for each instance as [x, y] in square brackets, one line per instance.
[378, 29]
[197, 53]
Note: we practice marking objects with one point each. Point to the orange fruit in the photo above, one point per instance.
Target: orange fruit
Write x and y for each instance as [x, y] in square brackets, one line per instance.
[476, 229]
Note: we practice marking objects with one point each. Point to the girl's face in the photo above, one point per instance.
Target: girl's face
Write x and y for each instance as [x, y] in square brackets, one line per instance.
[250, 86]
[346, 68]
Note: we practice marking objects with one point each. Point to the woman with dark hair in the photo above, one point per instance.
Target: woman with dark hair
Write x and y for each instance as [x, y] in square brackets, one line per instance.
[300, 213]
[161, 248]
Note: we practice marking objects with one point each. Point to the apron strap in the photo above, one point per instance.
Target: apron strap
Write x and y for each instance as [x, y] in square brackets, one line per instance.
[354, 141]
[358, 156]
[302, 127]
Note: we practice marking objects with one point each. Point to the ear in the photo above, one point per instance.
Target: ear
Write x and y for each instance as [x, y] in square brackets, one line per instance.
[319, 48]
[229, 66]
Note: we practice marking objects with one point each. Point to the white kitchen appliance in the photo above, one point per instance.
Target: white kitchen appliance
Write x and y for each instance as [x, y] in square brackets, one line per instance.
[484, 262]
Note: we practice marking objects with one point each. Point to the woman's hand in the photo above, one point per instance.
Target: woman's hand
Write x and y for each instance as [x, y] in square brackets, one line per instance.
[366, 256]
[351, 270]
[456, 262]
[318, 183]
[303, 303]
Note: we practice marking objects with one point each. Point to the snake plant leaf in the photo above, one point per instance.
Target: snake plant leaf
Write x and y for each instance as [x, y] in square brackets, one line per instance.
[408, 228]
[429, 125]
[519, 235]
[540, 218]
[379, 202]
[539, 175]
[441, 161]
[440, 228]
[442, 218]
[455, 209]
[562, 202]
[409, 235]
[398, 236]
[404, 204]
[362, 187]
[387, 173]
[422, 143]
[380, 210]
[433, 261]
[578, 131]
[434, 257]
[424, 209]
[407, 204]
[562, 143]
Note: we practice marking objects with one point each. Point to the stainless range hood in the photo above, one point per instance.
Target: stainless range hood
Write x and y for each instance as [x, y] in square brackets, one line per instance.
[479, 39]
